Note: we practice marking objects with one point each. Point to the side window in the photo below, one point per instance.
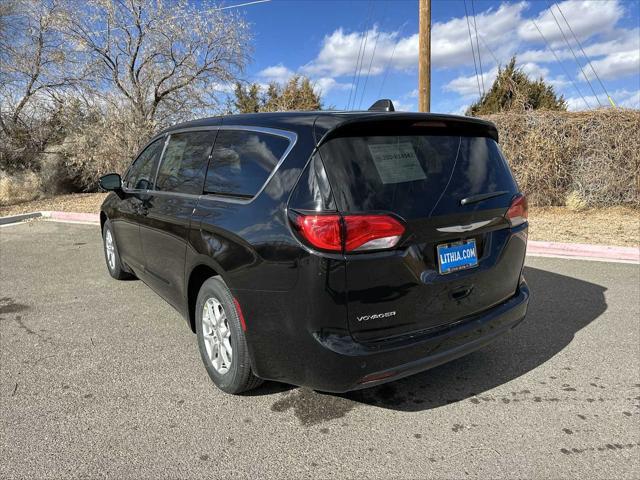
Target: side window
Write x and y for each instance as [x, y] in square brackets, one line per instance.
[242, 161]
[140, 175]
[184, 163]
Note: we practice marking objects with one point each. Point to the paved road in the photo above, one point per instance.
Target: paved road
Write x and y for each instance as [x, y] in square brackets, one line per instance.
[102, 378]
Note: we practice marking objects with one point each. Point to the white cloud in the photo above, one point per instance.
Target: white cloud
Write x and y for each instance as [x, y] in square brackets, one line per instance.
[467, 86]
[534, 71]
[631, 101]
[497, 28]
[586, 18]
[281, 75]
[616, 65]
[276, 73]
[450, 46]
[400, 106]
[621, 41]
[323, 85]
[339, 52]
[621, 97]
[579, 103]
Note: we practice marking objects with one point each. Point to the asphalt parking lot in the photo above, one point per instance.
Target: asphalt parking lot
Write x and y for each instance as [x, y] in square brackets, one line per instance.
[100, 378]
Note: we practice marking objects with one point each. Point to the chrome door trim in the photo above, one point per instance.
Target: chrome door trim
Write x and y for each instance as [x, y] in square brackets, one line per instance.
[465, 228]
[291, 136]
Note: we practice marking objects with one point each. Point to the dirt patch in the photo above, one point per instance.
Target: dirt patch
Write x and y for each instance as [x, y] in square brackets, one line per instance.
[77, 202]
[604, 226]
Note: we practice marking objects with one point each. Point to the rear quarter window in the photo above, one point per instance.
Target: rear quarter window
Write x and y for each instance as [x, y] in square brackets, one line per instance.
[242, 161]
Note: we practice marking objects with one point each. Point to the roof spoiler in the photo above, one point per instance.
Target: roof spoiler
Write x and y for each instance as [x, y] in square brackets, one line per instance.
[384, 105]
[399, 122]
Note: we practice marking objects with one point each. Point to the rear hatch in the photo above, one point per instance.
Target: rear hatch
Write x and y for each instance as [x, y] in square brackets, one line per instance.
[449, 185]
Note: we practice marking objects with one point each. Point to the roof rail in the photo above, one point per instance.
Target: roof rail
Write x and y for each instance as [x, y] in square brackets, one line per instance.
[384, 105]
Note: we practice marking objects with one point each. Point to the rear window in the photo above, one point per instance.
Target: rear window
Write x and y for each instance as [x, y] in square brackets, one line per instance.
[415, 176]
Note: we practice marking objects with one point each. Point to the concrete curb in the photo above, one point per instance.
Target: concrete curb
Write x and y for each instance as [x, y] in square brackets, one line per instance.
[583, 250]
[19, 218]
[71, 217]
[534, 248]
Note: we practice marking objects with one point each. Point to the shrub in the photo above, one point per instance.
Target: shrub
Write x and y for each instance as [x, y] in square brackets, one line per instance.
[19, 187]
[592, 155]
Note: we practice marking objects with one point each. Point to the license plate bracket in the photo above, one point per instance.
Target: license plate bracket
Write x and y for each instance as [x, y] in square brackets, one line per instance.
[456, 256]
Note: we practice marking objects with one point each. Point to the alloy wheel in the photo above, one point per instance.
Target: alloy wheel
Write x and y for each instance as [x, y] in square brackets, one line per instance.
[217, 335]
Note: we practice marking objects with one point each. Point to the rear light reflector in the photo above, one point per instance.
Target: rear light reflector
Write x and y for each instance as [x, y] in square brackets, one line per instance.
[243, 324]
[353, 233]
[518, 211]
[375, 377]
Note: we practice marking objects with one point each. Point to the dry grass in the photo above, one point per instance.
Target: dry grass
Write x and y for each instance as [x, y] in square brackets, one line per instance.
[75, 202]
[590, 159]
[605, 226]
[19, 188]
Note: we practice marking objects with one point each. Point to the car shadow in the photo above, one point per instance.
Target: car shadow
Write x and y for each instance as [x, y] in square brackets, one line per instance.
[559, 307]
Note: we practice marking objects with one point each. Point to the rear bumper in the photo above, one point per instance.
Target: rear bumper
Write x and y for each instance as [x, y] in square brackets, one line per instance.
[343, 364]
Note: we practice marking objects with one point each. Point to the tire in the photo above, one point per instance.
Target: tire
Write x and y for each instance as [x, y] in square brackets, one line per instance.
[229, 371]
[114, 265]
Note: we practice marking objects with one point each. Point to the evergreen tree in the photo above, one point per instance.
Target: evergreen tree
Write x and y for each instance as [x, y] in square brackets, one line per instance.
[297, 94]
[513, 91]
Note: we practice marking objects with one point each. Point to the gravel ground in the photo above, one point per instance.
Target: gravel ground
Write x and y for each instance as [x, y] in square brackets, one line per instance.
[604, 226]
[102, 379]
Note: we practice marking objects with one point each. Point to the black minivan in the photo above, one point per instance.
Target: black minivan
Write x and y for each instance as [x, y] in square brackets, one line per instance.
[334, 250]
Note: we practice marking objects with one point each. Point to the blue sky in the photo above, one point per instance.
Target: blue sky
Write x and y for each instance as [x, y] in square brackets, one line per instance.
[322, 38]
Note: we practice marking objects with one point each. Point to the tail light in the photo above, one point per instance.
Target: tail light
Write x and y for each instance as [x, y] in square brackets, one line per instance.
[351, 233]
[371, 232]
[322, 231]
[518, 211]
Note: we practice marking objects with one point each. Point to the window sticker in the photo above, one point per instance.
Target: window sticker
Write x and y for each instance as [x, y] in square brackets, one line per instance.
[396, 163]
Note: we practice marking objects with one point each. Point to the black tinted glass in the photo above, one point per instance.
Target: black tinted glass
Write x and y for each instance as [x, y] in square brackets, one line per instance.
[312, 191]
[140, 175]
[242, 161]
[414, 175]
[184, 162]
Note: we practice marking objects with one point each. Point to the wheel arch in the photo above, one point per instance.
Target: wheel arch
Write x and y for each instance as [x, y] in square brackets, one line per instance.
[199, 273]
[103, 219]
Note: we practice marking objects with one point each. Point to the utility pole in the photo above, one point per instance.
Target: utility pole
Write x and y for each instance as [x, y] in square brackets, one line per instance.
[424, 57]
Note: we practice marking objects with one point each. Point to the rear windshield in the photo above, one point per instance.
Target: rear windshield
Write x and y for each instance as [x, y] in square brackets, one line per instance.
[415, 176]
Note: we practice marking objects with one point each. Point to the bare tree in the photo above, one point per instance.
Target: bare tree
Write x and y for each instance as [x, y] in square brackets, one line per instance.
[36, 66]
[164, 59]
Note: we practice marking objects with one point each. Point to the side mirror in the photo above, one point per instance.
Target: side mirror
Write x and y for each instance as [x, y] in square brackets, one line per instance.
[110, 182]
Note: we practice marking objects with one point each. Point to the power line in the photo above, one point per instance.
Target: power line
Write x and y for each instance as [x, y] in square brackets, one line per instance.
[375, 46]
[366, 78]
[486, 45]
[574, 56]
[364, 49]
[353, 82]
[569, 76]
[386, 68]
[584, 53]
[473, 51]
[360, 51]
[475, 27]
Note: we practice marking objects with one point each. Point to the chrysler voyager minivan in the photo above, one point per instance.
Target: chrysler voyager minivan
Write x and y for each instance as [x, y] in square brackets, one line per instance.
[334, 250]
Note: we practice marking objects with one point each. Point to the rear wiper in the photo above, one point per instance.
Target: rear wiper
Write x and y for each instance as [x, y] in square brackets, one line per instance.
[481, 196]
